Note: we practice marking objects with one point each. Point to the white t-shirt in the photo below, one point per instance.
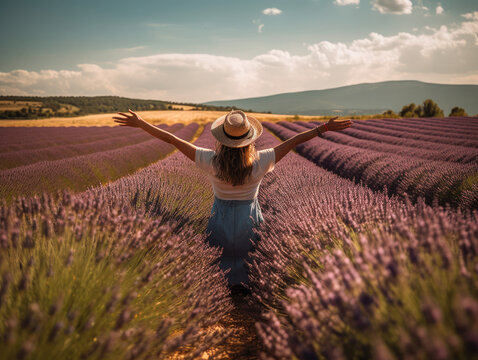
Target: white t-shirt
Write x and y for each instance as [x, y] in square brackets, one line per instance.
[262, 165]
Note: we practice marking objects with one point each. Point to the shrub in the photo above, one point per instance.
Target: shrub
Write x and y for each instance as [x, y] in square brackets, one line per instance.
[458, 111]
[390, 114]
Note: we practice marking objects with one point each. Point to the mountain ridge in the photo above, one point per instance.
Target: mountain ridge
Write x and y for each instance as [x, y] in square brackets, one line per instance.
[364, 98]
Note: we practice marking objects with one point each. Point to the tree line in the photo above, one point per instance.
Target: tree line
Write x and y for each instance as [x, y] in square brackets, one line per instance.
[55, 106]
[428, 108]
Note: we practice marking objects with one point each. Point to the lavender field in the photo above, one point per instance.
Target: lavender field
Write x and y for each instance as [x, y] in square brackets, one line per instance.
[71, 161]
[369, 249]
[433, 160]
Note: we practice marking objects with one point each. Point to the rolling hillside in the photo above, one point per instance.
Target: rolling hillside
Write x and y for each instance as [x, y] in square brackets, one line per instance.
[362, 99]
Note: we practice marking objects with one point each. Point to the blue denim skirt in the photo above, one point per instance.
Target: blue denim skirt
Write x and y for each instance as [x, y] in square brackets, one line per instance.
[230, 227]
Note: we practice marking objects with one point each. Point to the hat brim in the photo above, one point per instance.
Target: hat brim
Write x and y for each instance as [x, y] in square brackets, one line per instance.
[218, 132]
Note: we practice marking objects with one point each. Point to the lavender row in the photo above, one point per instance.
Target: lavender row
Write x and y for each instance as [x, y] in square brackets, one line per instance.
[389, 144]
[467, 153]
[78, 173]
[436, 130]
[24, 157]
[411, 134]
[461, 123]
[84, 277]
[345, 272]
[15, 134]
[446, 125]
[20, 138]
[26, 135]
[467, 119]
[435, 181]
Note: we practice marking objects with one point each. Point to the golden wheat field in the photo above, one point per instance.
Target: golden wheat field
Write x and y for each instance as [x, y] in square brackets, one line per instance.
[155, 117]
[36, 106]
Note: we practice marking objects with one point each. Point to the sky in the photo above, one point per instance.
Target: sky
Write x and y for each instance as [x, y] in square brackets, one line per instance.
[198, 51]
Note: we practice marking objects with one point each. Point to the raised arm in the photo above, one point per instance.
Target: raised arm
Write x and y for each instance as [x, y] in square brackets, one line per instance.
[284, 147]
[134, 120]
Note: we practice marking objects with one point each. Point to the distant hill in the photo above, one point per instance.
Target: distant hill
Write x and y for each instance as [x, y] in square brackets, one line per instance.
[369, 98]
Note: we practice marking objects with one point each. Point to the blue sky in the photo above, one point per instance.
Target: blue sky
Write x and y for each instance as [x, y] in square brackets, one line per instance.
[210, 50]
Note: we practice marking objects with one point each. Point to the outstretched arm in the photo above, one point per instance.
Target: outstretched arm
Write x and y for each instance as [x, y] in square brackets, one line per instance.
[134, 120]
[283, 148]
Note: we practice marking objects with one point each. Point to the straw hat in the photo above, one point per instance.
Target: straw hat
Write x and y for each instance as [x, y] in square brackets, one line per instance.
[236, 129]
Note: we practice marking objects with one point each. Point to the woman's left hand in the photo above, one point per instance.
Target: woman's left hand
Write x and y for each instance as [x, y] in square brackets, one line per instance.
[133, 119]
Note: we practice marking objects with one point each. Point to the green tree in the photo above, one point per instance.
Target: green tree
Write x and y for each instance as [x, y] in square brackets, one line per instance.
[410, 110]
[431, 109]
[458, 111]
[390, 114]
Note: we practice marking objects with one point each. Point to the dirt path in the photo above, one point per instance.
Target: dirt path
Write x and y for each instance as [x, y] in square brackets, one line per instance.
[243, 343]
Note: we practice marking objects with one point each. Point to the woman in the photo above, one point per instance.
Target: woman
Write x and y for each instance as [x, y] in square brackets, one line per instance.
[235, 170]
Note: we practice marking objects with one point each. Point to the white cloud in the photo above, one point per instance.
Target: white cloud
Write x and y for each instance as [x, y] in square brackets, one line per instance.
[393, 6]
[439, 10]
[445, 54]
[260, 27]
[271, 11]
[347, 2]
[470, 27]
[471, 16]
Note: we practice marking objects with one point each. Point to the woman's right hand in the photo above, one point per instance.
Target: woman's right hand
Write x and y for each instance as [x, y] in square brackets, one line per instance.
[337, 125]
[132, 119]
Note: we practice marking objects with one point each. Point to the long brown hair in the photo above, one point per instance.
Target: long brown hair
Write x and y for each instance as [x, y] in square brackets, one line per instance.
[234, 165]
